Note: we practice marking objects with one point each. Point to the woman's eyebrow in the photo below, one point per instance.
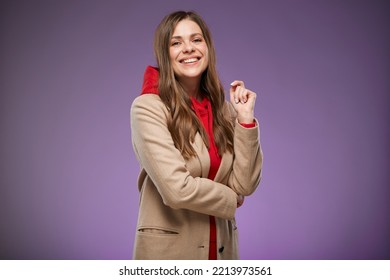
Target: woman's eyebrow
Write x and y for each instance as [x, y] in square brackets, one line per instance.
[192, 35]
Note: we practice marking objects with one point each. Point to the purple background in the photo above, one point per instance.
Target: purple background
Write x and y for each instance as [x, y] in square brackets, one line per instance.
[70, 70]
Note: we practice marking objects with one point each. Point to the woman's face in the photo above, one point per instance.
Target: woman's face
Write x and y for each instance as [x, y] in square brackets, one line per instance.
[188, 51]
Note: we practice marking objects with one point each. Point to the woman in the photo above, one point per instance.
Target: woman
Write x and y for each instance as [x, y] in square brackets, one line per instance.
[199, 155]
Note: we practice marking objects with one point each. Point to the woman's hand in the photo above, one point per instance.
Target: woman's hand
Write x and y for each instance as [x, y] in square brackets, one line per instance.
[240, 200]
[243, 101]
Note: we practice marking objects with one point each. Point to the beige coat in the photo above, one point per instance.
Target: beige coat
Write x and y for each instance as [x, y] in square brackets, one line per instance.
[176, 197]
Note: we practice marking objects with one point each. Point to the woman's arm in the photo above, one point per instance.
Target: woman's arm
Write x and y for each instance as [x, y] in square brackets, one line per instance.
[248, 160]
[166, 167]
[248, 156]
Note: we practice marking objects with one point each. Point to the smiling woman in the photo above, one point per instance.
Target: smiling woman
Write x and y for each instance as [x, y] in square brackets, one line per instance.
[189, 55]
[199, 154]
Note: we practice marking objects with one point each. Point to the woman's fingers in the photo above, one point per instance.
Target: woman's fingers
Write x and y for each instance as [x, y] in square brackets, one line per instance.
[238, 92]
[240, 200]
[237, 83]
[242, 94]
[243, 101]
[234, 89]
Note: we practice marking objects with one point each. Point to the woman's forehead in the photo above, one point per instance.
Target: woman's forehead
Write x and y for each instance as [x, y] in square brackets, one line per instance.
[186, 27]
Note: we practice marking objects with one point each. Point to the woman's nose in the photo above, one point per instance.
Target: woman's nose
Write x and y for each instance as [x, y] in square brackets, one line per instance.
[188, 47]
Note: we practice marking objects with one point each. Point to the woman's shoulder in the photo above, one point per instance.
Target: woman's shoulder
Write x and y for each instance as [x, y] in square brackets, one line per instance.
[148, 100]
[150, 103]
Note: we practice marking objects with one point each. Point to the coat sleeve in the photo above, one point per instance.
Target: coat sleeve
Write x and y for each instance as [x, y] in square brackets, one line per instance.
[248, 157]
[164, 164]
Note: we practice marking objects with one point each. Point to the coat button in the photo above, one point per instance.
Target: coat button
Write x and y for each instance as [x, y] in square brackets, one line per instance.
[221, 249]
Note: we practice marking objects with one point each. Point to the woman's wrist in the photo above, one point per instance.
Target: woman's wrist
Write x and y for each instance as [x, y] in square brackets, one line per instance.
[248, 118]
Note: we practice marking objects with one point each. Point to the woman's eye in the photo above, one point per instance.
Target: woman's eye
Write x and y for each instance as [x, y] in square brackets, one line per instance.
[175, 43]
[197, 40]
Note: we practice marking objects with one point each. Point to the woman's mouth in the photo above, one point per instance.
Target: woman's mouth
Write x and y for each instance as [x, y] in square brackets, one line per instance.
[189, 60]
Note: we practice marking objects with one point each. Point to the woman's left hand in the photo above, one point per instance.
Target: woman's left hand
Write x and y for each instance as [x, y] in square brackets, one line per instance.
[243, 101]
[240, 200]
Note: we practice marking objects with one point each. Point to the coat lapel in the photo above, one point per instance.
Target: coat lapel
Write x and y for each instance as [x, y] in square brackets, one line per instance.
[204, 160]
[226, 164]
[202, 155]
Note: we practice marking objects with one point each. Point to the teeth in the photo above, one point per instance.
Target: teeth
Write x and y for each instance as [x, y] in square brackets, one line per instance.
[190, 60]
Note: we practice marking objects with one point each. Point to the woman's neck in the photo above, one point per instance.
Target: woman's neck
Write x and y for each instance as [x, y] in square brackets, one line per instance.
[192, 89]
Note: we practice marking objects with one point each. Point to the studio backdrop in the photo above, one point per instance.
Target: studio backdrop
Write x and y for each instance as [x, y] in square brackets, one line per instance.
[69, 71]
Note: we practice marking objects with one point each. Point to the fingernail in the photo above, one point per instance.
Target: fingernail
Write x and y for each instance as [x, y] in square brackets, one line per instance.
[236, 100]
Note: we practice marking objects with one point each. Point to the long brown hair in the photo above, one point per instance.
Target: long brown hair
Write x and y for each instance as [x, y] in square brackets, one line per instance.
[183, 123]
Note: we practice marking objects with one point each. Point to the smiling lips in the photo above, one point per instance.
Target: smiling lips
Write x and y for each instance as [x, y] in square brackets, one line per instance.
[189, 60]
